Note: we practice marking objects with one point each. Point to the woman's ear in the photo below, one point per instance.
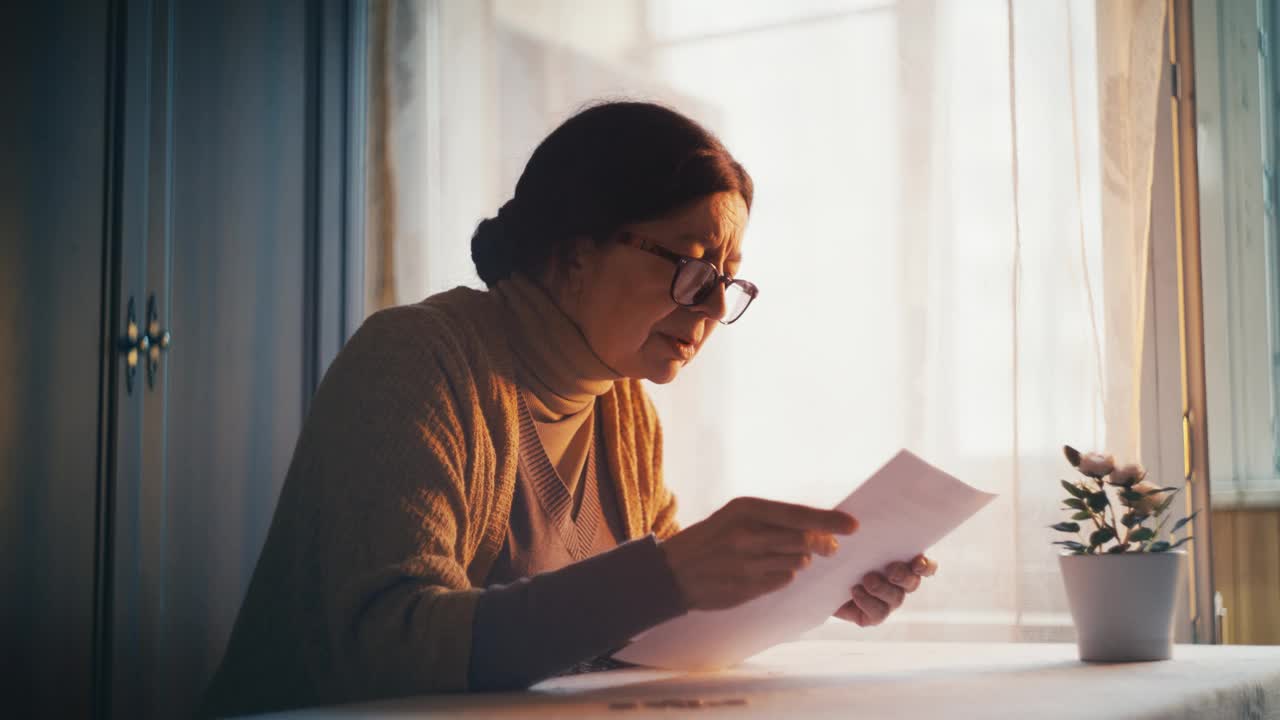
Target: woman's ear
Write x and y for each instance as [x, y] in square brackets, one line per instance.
[581, 258]
[571, 262]
[581, 253]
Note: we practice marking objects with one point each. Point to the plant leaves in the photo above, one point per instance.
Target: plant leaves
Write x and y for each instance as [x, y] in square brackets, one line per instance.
[1164, 505]
[1066, 527]
[1074, 489]
[1142, 534]
[1116, 550]
[1159, 546]
[1098, 500]
[1100, 536]
[1178, 525]
[1075, 503]
[1082, 515]
[1073, 455]
[1071, 545]
[1131, 495]
[1131, 519]
[1160, 490]
[1180, 542]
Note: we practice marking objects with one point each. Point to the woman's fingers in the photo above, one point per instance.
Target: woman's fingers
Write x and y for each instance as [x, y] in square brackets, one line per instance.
[900, 574]
[778, 540]
[824, 544]
[923, 566]
[865, 608]
[883, 590]
[749, 547]
[879, 594]
[852, 613]
[796, 517]
[874, 609]
[770, 564]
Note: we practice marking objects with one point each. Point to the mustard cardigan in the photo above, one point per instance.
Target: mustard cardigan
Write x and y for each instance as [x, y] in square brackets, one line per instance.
[395, 506]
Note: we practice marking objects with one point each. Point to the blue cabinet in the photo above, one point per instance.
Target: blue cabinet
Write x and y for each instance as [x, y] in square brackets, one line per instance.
[194, 169]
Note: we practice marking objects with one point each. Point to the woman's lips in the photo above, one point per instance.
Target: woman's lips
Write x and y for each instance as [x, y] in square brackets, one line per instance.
[683, 350]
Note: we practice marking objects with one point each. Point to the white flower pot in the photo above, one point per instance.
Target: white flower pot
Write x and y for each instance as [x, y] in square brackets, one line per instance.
[1123, 604]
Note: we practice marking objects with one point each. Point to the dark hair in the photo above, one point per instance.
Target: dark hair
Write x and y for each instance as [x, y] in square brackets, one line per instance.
[609, 165]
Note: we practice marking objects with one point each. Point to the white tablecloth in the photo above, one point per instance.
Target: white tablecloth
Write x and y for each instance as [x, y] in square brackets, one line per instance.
[839, 678]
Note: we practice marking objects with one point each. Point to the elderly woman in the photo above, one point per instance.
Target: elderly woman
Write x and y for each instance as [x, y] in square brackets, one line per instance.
[476, 501]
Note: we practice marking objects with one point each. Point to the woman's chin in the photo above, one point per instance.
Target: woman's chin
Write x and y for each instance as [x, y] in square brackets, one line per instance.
[665, 373]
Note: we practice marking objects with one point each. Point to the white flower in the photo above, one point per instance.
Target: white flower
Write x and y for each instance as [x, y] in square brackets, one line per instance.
[1126, 475]
[1096, 465]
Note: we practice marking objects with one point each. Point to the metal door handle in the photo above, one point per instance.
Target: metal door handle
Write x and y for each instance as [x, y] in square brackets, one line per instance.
[156, 341]
[136, 344]
[131, 345]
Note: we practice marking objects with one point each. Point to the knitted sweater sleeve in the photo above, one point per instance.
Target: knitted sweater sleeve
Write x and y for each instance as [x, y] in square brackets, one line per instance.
[399, 437]
[538, 626]
[360, 590]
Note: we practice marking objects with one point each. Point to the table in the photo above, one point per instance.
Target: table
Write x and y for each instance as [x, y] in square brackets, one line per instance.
[839, 678]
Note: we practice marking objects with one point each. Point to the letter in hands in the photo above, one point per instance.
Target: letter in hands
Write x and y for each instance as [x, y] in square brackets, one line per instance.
[748, 548]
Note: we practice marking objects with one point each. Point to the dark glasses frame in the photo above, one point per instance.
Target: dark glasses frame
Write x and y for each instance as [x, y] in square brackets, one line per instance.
[748, 288]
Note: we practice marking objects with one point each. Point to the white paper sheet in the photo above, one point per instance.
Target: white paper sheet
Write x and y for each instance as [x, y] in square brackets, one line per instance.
[903, 509]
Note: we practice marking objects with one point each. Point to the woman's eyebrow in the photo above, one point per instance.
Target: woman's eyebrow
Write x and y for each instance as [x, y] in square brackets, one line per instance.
[693, 245]
[708, 243]
[706, 239]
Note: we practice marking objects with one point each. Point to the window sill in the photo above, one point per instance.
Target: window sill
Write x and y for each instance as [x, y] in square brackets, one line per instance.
[1231, 496]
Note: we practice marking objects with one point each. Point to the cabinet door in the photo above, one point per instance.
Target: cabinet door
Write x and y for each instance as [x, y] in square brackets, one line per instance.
[56, 348]
[226, 105]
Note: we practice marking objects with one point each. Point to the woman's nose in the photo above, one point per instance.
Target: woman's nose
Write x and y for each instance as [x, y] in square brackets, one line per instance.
[713, 305]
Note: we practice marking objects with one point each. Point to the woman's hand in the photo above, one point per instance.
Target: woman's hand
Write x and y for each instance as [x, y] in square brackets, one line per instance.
[749, 547]
[880, 594]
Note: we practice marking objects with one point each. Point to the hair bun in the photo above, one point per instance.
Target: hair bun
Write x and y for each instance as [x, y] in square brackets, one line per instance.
[491, 250]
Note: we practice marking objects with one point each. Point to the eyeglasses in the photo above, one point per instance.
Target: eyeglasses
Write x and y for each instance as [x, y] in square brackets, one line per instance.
[695, 279]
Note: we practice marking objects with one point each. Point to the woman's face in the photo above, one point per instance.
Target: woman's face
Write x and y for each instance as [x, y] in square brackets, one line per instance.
[620, 295]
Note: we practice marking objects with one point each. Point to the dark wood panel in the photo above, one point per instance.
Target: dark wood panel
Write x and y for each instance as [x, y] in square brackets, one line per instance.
[136, 604]
[1256, 563]
[243, 206]
[235, 378]
[1222, 545]
[1246, 569]
[201, 154]
[52, 241]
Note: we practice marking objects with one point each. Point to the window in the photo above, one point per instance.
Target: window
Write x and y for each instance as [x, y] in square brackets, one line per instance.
[990, 301]
[1236, 81]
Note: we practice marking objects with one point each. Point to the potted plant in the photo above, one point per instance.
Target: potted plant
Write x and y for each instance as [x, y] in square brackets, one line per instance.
[1122, 570]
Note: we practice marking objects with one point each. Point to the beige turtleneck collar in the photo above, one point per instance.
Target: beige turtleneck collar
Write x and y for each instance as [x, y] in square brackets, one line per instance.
[559, 374]
[553, 360]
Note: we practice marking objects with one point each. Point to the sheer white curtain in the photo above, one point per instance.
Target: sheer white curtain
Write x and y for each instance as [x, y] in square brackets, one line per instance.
[950, 235]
